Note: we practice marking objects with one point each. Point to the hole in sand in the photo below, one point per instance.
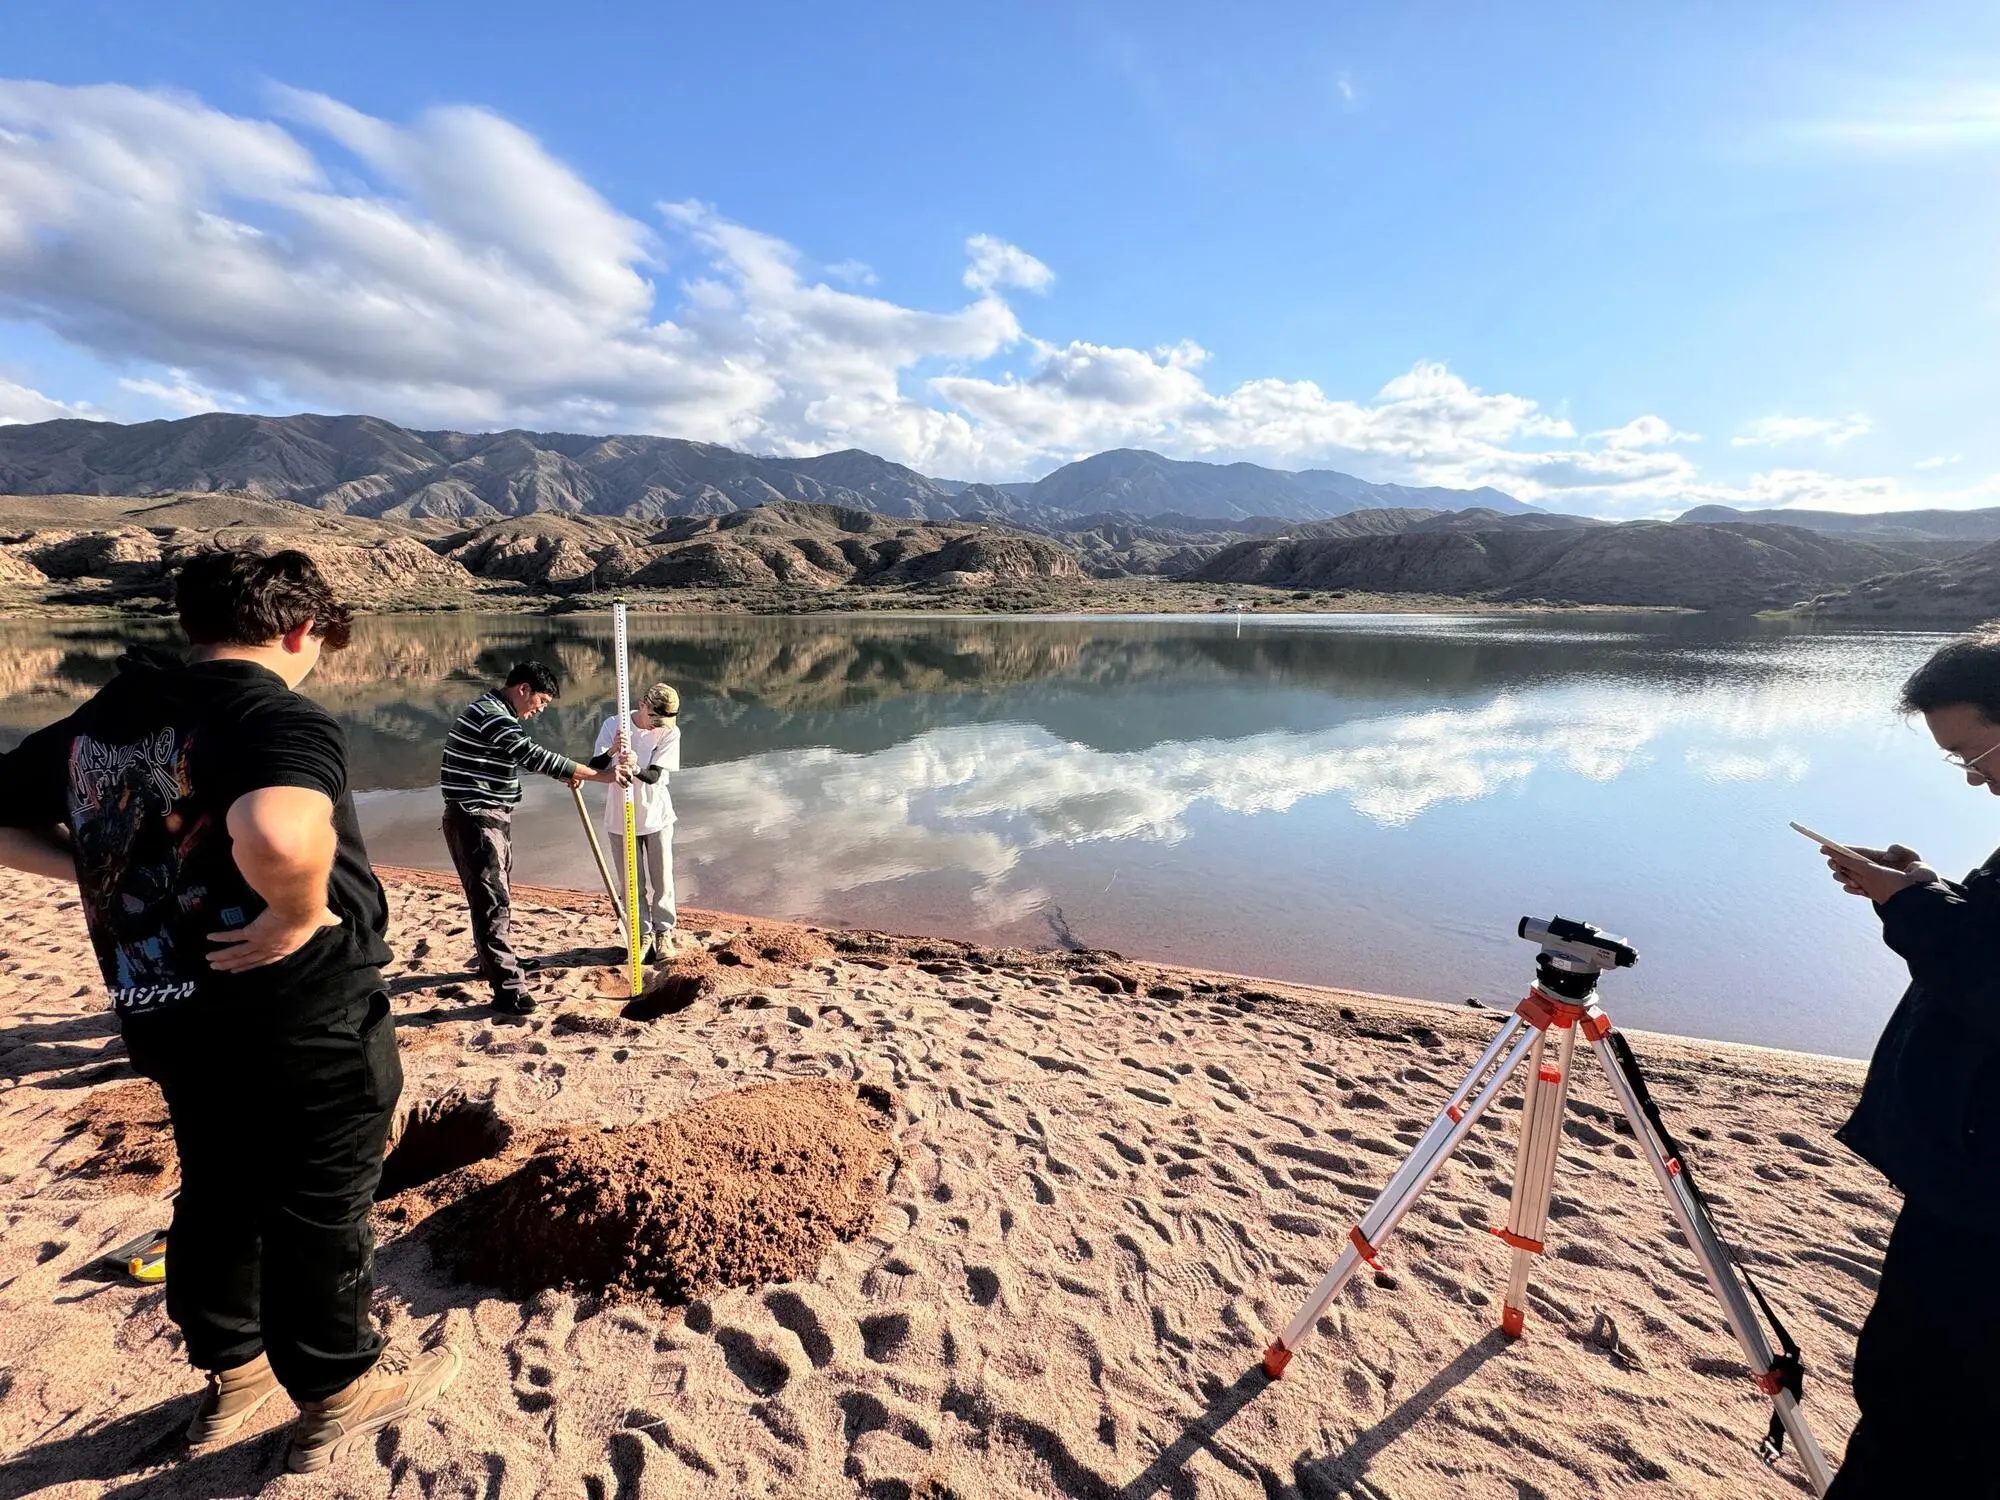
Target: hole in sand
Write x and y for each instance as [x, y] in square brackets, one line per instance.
[439, 1136]
[666, 997]
[668, 989]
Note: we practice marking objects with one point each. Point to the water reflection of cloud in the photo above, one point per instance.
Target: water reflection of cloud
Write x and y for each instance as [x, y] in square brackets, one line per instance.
[1780, 764]
[974, 799]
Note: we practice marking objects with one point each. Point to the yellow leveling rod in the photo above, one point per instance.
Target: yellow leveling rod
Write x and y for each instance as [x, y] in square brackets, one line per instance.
[628, 791]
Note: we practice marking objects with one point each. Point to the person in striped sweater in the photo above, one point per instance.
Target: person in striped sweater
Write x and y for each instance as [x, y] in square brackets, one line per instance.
[484, 755]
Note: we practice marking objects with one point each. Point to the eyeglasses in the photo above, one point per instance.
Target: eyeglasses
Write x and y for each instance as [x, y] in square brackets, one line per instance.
[1971, 767]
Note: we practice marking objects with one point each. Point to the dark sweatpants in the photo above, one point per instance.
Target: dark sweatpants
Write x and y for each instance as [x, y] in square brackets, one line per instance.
[482, 851]
[281, 1110]
[1927, 1369]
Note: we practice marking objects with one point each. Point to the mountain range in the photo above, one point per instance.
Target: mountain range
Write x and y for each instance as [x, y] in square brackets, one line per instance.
[365, 466]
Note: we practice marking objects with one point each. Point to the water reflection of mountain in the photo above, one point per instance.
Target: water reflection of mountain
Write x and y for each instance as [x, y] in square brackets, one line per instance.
[756, 685]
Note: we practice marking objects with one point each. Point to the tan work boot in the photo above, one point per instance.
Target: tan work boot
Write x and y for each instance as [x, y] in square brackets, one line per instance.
[233, 1398]
[329, 1430]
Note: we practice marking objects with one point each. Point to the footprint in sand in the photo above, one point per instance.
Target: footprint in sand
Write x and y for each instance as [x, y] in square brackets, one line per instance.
[792, 1312]
[757, 1361]
[982, 1285]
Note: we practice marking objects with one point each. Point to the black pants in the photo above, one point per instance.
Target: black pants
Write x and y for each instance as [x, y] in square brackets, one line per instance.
[482, 851]
[1927, 1369]
[280, 1111]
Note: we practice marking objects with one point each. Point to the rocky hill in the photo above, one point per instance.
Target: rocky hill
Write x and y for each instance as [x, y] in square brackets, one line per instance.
[1140, 483]
[127, 551]
[1117, 545]
[1172, 545]
[365, 466]
[778, 545]
[1961, 591]
[1895, 528]
[86, 549]
[789, 556]
[1638, 564]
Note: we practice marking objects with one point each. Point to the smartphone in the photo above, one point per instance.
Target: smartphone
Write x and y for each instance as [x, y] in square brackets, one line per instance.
[1822, 839]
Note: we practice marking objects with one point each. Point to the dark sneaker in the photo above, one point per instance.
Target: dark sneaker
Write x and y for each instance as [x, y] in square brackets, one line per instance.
[233, 1398]
[331, 1429]
[514, 1005]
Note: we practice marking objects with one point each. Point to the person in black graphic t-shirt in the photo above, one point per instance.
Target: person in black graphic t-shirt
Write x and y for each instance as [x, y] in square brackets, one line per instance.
[203, 810]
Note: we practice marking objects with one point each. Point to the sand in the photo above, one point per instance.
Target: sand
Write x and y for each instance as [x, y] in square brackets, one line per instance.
[1107, 1184]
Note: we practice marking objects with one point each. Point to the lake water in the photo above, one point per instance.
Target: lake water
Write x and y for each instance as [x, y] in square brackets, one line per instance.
[1363, 801]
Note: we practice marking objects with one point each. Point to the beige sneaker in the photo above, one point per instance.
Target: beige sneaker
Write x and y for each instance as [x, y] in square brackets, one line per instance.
[331, 1429]
[233, 1398]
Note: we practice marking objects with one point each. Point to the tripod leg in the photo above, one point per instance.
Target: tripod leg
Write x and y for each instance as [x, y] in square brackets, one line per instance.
[1717, 1266]
[1467, 1103]
[1535, 1168]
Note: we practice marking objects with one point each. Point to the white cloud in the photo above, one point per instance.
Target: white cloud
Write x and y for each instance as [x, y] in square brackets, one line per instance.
[20, 403]
[1931, 118]
[450, 271]
[996, 264]
[1081, 397]
[1769, 432]
[181, 392]
[1941, 461]
[1811, 489]
[1645, 432]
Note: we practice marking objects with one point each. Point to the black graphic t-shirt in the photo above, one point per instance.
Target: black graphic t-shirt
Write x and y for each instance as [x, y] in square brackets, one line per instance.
[144, 775]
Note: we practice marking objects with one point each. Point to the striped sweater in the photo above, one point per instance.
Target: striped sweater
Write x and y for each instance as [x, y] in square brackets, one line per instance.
[486, 752]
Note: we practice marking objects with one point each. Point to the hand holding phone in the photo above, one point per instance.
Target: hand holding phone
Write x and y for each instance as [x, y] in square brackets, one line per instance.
[1826, 843]
[1877, 874]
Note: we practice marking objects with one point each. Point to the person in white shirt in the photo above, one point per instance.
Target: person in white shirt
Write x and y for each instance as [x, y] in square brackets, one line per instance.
[656, 751]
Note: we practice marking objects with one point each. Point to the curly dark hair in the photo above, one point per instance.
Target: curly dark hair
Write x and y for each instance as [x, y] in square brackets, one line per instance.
[1966, 670]
[234, 598]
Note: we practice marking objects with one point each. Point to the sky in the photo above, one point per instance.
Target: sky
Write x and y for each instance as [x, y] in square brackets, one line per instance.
[1611, 259]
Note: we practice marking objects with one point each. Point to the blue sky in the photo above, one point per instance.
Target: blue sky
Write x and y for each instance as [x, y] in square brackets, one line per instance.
[1606, 259]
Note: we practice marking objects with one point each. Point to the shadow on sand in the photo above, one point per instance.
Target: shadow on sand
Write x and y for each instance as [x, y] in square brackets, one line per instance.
[1342, 1473]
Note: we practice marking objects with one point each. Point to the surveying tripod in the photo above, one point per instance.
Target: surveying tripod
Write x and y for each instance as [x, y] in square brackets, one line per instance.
[1542, 1033]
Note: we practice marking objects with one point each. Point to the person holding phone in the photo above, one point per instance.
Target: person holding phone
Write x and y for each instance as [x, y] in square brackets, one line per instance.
[1925, 1373]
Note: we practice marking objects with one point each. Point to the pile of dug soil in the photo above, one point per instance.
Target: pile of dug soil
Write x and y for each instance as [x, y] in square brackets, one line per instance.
[742, 1189]
[131, 1134]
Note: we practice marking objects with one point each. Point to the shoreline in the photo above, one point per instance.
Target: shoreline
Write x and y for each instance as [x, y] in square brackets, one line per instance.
[1104, 598]
[564, 898]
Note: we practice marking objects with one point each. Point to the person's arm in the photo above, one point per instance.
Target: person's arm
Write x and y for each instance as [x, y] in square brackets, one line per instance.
[508, 737]
[33, 781]
[39, 851]
[1950, 938]
[283, 842]
[599, 761]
